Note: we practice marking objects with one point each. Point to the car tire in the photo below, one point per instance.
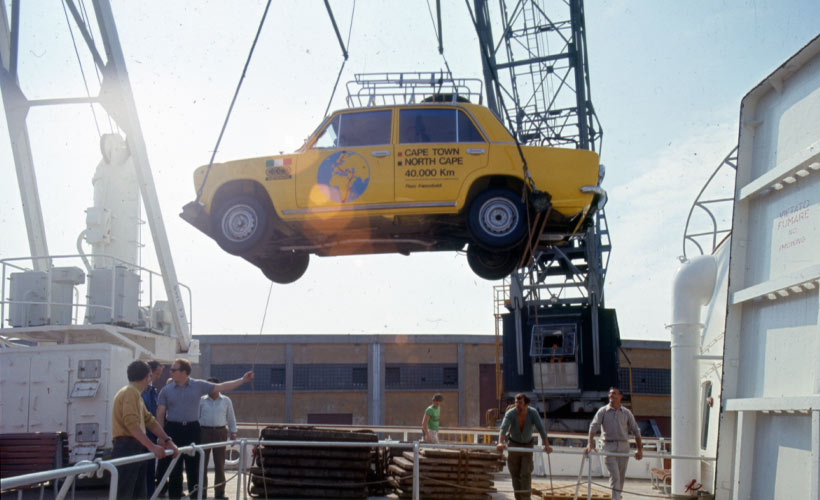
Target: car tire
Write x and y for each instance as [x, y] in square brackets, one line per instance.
[497, 218]
[285, 268]
[241, 224]
[492, 265]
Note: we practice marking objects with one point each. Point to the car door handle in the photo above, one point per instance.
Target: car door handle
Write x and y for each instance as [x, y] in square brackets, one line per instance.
[476, 151]
[380, 154]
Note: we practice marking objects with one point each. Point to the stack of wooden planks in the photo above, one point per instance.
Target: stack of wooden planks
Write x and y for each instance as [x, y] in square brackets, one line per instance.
[282, 471]
[565, 490]
[447, 474]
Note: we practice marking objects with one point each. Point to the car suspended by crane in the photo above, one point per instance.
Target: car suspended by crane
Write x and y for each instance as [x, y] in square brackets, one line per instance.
[434, 172]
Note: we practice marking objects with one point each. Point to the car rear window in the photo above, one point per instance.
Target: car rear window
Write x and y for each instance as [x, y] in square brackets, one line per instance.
[436, 125]
[366, 128]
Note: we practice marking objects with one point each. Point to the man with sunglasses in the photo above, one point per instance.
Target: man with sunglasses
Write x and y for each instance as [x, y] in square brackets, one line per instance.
[517, 428]
[178, 413]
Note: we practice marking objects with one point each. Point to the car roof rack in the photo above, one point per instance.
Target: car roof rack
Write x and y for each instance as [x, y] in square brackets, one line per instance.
[385, 89]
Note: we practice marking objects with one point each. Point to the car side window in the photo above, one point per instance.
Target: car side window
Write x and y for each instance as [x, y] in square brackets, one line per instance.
[435, 126]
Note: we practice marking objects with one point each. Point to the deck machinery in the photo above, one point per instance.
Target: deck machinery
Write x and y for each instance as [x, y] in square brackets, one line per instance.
[71, 323]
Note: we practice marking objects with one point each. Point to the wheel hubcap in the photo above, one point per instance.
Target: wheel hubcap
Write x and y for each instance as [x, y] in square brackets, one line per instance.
[239, 223]
[498, 216]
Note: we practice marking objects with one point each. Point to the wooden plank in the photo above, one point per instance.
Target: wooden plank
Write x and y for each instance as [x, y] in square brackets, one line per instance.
[563, 490]
[452, 461]
[289, 472]
[341, 453]
[309, 434]
[472, 454]
[317, 463]
[306, 482]
[279, 492]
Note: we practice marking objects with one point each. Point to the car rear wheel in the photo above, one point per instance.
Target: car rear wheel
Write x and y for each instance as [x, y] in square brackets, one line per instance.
[497, 218]
[241, 224]
[492, 265]
[286, 267]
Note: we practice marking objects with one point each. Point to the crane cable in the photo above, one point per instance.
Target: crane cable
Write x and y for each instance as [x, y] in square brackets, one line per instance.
[233, 101]
[438, 33]
[345, 52]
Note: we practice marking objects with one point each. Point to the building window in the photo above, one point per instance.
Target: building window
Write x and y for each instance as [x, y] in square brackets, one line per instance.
[421, 376]
[650, 381]
[330, 377]
[266, 378]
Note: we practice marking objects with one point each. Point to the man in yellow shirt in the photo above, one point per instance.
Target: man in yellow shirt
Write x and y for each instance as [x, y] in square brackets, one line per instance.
[130, 418]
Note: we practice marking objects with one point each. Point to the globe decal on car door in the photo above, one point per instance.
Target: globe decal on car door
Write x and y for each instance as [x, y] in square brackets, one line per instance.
[343, 176]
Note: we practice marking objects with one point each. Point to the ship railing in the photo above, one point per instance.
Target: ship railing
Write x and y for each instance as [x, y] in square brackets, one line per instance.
[60, 311]
[99, 467]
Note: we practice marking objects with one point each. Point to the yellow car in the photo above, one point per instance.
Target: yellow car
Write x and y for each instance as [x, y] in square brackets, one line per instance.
[403, 178]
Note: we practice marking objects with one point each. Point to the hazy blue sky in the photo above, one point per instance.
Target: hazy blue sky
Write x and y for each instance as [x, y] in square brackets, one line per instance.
[667, 78]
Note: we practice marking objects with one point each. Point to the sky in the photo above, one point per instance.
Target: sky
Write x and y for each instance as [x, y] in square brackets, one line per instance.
[666, 78]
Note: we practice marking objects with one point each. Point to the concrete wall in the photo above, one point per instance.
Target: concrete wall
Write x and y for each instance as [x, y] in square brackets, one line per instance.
[407, 407]
[330, 402]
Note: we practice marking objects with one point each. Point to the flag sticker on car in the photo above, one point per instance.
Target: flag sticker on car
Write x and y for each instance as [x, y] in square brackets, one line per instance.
[278, 169]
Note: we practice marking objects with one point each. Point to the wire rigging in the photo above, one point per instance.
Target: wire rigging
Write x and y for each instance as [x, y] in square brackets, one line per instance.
[82, 71]
[345, 52]
[233, 101]
[437, 30]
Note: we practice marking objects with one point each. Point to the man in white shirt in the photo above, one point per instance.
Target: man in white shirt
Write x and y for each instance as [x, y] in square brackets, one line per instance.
[615, 422]
[216, 418]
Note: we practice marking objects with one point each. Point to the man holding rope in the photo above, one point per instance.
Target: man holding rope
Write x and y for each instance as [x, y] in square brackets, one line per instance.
[516, 428]
[616, 422]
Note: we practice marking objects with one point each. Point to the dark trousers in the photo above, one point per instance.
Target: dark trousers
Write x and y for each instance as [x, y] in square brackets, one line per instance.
[215, 435]
[520, 467]
[183, 435]
[131, 477]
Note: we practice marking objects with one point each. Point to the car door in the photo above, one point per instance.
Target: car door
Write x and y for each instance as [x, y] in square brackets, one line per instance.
[349, 166]
[438, 148]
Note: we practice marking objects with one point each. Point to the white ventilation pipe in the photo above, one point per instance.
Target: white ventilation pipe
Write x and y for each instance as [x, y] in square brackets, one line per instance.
[693, 288]
[112, 224]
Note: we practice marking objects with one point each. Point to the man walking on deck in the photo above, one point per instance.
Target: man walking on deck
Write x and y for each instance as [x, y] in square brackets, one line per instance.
[516, 428]
[129, 420]
[178, 412]
[432, 416]
[615, 422]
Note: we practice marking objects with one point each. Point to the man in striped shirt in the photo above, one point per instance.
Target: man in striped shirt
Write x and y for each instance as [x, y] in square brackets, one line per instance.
[215, 414]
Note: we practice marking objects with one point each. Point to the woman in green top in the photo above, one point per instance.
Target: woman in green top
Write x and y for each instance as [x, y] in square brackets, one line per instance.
[429, 425]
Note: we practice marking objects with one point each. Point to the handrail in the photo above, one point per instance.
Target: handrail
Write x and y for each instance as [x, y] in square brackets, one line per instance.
[86, 468]
[12, 262]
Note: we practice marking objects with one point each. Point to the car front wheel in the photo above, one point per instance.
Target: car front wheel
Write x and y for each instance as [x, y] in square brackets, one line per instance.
[497, 218]
[241, 224]
[285, 268]
[492, 265]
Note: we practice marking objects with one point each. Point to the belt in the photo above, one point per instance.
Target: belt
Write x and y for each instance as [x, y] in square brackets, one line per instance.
[211, 427]
[184, 423]
[518, 443]
[125, 439]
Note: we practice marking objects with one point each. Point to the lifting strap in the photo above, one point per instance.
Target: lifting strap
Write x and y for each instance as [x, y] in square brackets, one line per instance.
[233, 101]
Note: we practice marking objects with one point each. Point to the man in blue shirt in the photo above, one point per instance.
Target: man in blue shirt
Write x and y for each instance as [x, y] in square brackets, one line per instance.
[149, 397]
[516, 428]
[178, 413]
